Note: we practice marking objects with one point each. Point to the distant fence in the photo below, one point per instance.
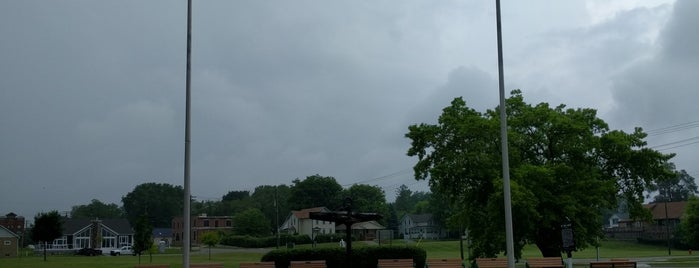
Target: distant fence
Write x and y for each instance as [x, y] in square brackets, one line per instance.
[635, 233]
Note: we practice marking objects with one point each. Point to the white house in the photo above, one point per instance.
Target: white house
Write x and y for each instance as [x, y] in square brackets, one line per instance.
[106, 234]
[417, 226]
[299, 222]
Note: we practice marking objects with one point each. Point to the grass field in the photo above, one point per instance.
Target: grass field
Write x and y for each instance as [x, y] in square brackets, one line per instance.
[435, 249]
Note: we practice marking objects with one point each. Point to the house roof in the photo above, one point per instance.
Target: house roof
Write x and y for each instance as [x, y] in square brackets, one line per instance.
[304, 213]
[120, 226]
[11, 215]
[367, 225]
[420, 218]
[162, 232]
[4, 232]
[674, 210]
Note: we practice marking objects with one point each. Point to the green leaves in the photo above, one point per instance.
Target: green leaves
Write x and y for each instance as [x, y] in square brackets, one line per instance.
[565, 163]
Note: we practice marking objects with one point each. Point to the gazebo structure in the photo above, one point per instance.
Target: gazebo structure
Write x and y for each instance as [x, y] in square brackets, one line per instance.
[346, 217]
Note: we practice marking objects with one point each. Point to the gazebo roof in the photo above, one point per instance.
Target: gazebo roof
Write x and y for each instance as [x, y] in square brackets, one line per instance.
[342, 217]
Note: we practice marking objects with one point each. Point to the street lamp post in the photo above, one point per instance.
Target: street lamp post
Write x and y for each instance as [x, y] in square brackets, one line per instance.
[316, 230]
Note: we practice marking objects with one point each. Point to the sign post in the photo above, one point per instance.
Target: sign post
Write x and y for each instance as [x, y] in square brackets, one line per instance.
[568, 240]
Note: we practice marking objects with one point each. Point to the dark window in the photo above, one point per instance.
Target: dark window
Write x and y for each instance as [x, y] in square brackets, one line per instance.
[206, 223]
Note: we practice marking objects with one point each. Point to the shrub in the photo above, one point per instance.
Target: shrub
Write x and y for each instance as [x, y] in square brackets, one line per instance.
[247, 241]
[363, 257]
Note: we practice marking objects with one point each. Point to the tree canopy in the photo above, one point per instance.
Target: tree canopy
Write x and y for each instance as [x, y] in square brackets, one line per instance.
[679, 187]
[96, 209]
[160, 201]
[315, 191]
[564, 164]
[367, 198]
[272, 201]
[251, 222]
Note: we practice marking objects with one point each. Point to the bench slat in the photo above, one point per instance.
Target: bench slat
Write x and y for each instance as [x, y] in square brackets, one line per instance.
[264, 264]
[206, 265]
[307, 264]
[395, 263]
[546, 262]
[491, 263]
[445, 263]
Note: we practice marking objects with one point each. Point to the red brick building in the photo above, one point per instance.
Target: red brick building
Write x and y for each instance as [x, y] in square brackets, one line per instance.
[200, 225]
[13, 223]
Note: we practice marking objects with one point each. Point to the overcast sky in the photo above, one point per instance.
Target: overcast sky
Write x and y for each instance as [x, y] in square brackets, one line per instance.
[92, 92]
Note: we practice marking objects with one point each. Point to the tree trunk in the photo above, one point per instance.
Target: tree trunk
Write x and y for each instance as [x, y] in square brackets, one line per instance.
[45, 245]
[548, 243]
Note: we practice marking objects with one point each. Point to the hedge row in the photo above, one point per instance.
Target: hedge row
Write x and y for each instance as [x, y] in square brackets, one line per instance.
[362, 257]
[246, 241]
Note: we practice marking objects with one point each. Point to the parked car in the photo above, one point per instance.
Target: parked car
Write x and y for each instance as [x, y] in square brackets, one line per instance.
[89, 252]
[125, 250]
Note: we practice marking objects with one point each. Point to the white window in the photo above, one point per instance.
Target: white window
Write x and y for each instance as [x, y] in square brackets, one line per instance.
[8, 242]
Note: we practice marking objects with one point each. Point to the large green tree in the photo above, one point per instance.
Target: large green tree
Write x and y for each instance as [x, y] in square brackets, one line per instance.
[96, 209]
[273, 202]
[315, 191]
[235, 195]
[160, 201]
[407, 201]
[565, 164]
[679, 187]
[251, 222]
[367, 198]
[47, 227]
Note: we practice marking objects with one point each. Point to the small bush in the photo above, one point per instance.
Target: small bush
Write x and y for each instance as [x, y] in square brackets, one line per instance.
[247, 241]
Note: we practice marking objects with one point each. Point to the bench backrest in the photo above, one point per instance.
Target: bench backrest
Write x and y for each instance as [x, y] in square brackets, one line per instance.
[613, 264]
[307, 264]
[266, 264]
[152, 266]
[445, 263]
[395, 263]
[206, 265]
[547, 262]
[491, 263]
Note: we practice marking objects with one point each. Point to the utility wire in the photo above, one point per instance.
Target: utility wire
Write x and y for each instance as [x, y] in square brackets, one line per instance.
[673, 128]
[679, 143]
[394, 174]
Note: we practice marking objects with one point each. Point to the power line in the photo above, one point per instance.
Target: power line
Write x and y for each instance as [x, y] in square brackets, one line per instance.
[391, 175]
[673, 128]
[676, 144]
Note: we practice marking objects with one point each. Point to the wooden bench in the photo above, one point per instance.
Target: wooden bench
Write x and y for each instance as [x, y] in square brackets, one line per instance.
[152, 266]
[265, 264]
[396, 263]
[491, 263]
[445, 263]
[206, 265]
[307, 264]
[546, 262]
[613, 264]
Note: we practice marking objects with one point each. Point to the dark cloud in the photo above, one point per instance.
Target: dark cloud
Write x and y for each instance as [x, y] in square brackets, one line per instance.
[660, 91]
[92, 93]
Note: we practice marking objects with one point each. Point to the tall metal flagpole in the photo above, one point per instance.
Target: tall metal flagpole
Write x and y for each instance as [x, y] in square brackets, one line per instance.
[505, 151]
[187, 143]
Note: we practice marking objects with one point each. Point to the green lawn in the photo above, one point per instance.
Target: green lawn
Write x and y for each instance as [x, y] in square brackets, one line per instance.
[435, 249]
